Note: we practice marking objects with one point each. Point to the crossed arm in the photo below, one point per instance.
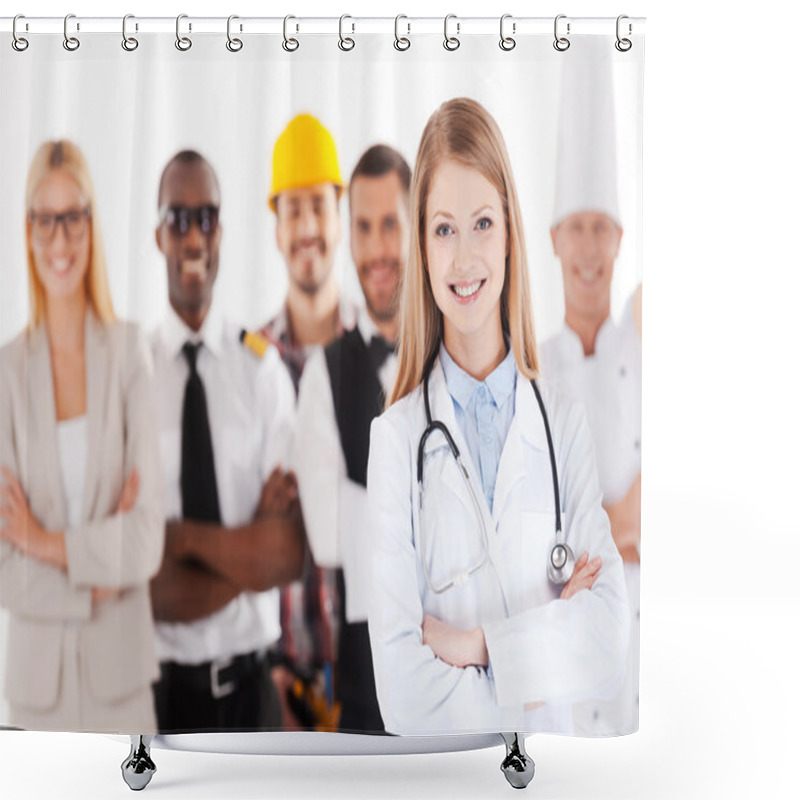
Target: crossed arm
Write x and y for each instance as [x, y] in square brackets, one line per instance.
[206, 565]
[23, 530]
[468, 648]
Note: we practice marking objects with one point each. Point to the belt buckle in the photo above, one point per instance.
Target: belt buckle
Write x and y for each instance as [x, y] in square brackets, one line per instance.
[220, 690]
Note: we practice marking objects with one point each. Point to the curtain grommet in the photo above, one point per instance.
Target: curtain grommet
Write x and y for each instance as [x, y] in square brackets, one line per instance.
[129, 43]
[19, 43]
[183, 43]
[451, 43]
[346, 43]
[401, 43]
[289, 44]
[561, 43]
[71, 43]
[234, 44]
[507, 43]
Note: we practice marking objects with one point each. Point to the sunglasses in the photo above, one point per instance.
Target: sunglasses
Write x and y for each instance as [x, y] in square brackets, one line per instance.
[179, 219]
[45, 224]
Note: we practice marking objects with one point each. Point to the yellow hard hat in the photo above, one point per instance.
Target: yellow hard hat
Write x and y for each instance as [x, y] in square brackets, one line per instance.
[304, 155]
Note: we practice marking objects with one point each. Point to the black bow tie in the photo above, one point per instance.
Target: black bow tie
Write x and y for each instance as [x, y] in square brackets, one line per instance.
[379, 351]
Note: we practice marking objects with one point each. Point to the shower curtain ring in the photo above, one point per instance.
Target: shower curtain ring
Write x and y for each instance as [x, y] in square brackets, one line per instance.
[507, 42]
[19, 43]
[346, 43]
[290, 44]
[561, 43]
[401, 43]
[71, 43]
[623, 45]
[451, 42]
[129, 43]
[183, 43]
[233, 44]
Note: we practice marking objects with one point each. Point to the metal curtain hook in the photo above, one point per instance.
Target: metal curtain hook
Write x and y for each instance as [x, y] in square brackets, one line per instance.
[561, 43]
[290, 44]
[623, 45]
[129, 43]
[401, 42]
[346, 42]
[507, 42]
[71, 43]
[182, 42]
[233, 44]
[451, 42]
[19, 43]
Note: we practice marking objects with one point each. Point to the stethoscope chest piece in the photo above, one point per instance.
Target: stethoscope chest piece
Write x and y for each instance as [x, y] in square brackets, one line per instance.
[561, 563]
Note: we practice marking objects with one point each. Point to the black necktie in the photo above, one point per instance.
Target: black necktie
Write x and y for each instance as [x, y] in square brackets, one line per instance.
[198, 480]
[379, 351]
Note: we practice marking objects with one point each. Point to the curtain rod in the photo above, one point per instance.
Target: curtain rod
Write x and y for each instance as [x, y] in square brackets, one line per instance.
[462, 26]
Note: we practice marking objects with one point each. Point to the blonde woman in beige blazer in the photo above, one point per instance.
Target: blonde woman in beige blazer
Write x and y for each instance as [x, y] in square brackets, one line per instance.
[76, 556]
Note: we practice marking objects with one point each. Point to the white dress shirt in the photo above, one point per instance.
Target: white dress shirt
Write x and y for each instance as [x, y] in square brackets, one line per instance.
[251, 416]
[609, 385]
[334, 507]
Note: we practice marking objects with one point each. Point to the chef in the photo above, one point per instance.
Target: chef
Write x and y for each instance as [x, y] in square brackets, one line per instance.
[596, 359]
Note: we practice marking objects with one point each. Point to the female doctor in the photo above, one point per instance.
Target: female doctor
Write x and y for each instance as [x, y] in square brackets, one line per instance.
[469, 632]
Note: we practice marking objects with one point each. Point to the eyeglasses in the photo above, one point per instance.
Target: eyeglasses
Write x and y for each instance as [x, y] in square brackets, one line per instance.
[74, 221]
[179, 219]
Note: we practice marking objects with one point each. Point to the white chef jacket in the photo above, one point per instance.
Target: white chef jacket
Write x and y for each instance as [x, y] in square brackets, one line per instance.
[251, 416]
[540, 648]
[609, 385]
[334, 507]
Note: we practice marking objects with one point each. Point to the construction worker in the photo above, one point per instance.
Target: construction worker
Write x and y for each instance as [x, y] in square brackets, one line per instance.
[306, 188]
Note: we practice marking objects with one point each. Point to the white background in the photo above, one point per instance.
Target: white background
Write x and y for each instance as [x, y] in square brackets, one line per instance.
[720, 598]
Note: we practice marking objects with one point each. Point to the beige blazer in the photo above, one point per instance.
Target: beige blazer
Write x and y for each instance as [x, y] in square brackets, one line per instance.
[116, 640]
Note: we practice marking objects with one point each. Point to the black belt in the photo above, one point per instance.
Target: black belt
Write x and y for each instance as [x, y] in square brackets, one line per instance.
[219, 678]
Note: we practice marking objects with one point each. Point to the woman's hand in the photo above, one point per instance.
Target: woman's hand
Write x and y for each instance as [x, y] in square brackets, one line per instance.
[583, 576]
[100, 594]
[453, 646]
[129, 493]
[17, 525]
[127, 500]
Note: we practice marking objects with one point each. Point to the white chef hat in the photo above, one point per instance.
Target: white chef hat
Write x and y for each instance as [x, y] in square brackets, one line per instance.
[586, 166]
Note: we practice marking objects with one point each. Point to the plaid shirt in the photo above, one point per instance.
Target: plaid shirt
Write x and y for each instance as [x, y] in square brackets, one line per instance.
[309, 607]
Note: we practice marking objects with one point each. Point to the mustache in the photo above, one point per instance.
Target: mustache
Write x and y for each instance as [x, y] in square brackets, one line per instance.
[391, 263]
[317, 241]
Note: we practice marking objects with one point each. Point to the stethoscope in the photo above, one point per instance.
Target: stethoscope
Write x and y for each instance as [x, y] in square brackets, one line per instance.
[561, 563]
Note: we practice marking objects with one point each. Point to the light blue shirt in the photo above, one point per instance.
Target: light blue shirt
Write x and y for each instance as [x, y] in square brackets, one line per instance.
[484, 410]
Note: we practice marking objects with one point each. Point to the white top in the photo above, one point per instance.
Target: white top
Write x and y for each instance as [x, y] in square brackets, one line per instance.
[251, 416]
[609, 385]
[540, 648]
[72, 452]
[334, 507]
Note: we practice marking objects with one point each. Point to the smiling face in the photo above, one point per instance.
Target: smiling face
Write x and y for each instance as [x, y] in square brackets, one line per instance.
[379, 240]
[307, 232]
[190, 192]
[587, 244]
[59, 232]
[466, 247]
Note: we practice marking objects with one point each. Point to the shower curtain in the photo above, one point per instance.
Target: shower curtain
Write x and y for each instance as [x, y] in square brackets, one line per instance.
[221, 185]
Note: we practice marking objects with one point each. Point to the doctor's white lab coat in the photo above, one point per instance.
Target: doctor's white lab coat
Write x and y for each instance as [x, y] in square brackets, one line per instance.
[541, 648]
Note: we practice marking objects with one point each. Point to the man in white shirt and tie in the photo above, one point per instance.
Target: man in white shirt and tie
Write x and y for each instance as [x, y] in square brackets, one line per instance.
[342, 389]
[234, 531]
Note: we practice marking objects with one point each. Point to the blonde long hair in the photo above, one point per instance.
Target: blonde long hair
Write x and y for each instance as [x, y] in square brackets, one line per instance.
[461, 130]
[66, 155]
